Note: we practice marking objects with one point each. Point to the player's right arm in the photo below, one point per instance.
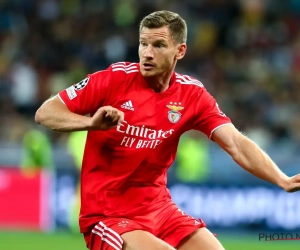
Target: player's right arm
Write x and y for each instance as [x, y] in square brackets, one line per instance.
[55, 115]
[81, 106]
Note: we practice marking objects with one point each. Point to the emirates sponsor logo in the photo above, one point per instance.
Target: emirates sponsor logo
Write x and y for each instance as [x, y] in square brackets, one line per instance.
[141, 136]
[144, 132]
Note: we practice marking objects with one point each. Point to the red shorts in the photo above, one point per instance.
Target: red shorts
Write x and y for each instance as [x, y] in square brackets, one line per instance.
[167, 223]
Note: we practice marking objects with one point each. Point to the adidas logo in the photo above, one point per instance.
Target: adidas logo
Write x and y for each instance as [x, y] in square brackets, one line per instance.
[128, 105]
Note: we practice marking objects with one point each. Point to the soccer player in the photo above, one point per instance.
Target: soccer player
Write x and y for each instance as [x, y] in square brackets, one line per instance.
[135, 114]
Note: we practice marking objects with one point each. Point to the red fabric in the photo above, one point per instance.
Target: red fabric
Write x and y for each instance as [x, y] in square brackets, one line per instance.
[124, 169]
[166, 222]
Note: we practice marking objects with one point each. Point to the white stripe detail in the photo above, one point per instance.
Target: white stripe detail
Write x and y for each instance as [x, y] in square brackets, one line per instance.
[219, 127]
[130, 71]
[112, 231]
[124, 67]
[185, 77]
[187, 82]
[119, 63]
[197, 83]
[130, 104]
[109, 236]
[106, 240]
[189, 78]
[61, 99]
[123, 64]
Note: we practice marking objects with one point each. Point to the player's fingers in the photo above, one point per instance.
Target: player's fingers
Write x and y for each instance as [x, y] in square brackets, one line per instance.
[294, 184]
[296, 179]
[293, 189]
[101, 111]
[118, 117]
[114, 114]
[115, 119]
[108, 112]
[121, 117]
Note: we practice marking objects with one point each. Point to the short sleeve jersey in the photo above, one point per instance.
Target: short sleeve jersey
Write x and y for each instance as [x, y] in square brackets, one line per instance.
[124, 168]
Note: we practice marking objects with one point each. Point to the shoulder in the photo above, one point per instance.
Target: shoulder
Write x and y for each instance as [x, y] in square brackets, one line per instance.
[116, 74]
[188, 82]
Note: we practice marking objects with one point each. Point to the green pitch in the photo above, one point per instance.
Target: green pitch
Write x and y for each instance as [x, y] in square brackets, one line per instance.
[64, 241]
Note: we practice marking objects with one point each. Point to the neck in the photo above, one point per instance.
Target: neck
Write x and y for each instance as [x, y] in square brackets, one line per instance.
[160, 83]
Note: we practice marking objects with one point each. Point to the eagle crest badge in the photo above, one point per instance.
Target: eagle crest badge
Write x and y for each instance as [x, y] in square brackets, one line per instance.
[174, 115]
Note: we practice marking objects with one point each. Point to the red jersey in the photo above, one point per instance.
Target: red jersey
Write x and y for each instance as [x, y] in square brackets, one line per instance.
[124, 168]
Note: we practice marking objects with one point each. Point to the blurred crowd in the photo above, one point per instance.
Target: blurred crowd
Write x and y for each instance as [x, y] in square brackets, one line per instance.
[246, 53]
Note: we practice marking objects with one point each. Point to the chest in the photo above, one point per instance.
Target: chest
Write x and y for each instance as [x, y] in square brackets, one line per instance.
[149, 119]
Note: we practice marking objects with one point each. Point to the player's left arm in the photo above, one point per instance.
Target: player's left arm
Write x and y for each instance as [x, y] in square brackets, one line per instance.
[253, 159]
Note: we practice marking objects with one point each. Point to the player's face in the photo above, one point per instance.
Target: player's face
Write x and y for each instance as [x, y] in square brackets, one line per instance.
[157, 51]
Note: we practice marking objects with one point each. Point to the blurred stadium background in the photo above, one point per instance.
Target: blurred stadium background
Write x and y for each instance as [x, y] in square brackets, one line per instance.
[246, 53]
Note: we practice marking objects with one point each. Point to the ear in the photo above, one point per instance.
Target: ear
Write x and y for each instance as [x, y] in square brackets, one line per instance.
[181, 50]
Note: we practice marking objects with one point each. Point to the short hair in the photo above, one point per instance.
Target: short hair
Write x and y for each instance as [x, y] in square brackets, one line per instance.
[177, 26]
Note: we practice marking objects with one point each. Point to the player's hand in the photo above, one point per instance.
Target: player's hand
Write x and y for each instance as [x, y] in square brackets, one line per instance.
[292, 184]
[106, 118]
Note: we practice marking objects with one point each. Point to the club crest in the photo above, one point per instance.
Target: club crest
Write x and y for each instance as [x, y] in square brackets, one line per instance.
[174, 115]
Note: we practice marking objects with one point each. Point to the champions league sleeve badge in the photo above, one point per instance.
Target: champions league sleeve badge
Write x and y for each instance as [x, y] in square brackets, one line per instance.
[80, 85]
[174, 115]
